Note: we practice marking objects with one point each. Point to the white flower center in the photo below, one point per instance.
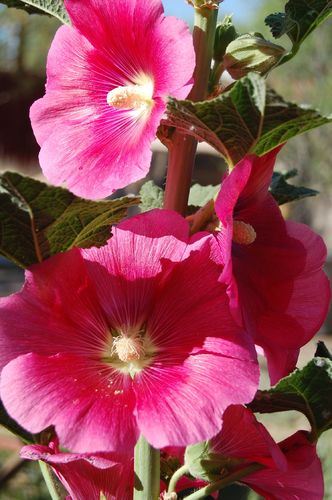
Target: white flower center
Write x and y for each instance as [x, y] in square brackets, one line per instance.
[129, 348]
[137, 96]
[243, 233]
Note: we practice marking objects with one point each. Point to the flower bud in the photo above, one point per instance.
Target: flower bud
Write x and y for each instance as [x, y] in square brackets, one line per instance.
[225, 34]
[251, 52]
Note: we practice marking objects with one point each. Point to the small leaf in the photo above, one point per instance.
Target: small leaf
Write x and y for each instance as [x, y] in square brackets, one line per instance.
[53, 8]
[308, 390]
[200, 195]
[225, 34]
[251, 52]
[245, 119]
[37, 220]
[301, 17]
[152, 196]
[283, 192]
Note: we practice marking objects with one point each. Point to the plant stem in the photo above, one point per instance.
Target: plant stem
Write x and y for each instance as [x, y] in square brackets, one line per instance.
[147, 471]
[176, 476]
[49, 480]
[219, 485]
[183, 148]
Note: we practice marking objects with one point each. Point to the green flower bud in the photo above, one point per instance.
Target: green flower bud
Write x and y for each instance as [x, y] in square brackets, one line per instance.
[225, 34]
[251, 52]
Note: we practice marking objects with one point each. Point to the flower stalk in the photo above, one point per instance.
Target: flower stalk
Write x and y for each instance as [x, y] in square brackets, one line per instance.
[49, 480]
[147, 471]
[182, 150]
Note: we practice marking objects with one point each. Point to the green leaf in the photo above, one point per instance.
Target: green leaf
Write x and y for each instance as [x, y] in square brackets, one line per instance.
[284, 120]
[308, 390]
[225, 34]
[283, 192]
[37, 220]
[53, 8]
[245, 119]
[301, 17]
[231, 123]
[152, 196]
[200, 195]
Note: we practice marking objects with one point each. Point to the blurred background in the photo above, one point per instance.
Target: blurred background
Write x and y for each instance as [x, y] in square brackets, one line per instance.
[24, 43]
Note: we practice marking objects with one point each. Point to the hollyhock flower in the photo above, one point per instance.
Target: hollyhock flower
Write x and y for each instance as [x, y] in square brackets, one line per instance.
[129, 338]
[273, 266]
[108, 77]
[86, 476]
[289, 470]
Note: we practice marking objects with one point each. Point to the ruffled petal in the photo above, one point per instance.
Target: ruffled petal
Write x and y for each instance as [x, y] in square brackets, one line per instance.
[87, 476]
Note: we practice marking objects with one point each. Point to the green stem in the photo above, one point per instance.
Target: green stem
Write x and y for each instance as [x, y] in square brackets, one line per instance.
[219, 485]
[183, 148]
[176, 476]
[49, 480]
[147, 471]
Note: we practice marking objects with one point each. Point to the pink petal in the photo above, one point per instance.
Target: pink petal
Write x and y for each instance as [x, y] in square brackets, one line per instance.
[86, 476]
[302, 480]
[242, 436]
[53, 319]
[85, 143]
[90, 406]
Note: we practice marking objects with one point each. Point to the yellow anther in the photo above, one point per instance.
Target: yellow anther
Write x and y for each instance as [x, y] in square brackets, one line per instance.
[243, 233]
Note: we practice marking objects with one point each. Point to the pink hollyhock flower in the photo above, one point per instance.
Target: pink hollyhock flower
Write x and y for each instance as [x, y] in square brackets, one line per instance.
[273, 266]
[128, 339]
[108, 78]
[87, 476]
[290, 470]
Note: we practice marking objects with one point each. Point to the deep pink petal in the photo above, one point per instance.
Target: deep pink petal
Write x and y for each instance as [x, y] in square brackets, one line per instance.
[303, 478]
[64, 317]
[89, 404]
[242, 436]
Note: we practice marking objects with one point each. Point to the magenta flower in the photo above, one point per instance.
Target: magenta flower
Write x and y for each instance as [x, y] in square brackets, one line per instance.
[86, 476]
[290, 469]
[108, 78]
[129, 338]
[273, 266]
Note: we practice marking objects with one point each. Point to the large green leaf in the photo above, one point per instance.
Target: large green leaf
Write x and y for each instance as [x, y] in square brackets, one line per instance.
[231, 123]
[37, 220]
[52, 7]
[300, 18]
[283, 192]
[308, 390]
[245, 119]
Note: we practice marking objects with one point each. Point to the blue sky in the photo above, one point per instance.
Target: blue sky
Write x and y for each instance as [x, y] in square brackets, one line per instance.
[239, 8]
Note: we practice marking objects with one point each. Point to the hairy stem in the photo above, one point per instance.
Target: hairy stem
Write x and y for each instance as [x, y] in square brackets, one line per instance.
[183, 148]
[147, 471]
[49, 480]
